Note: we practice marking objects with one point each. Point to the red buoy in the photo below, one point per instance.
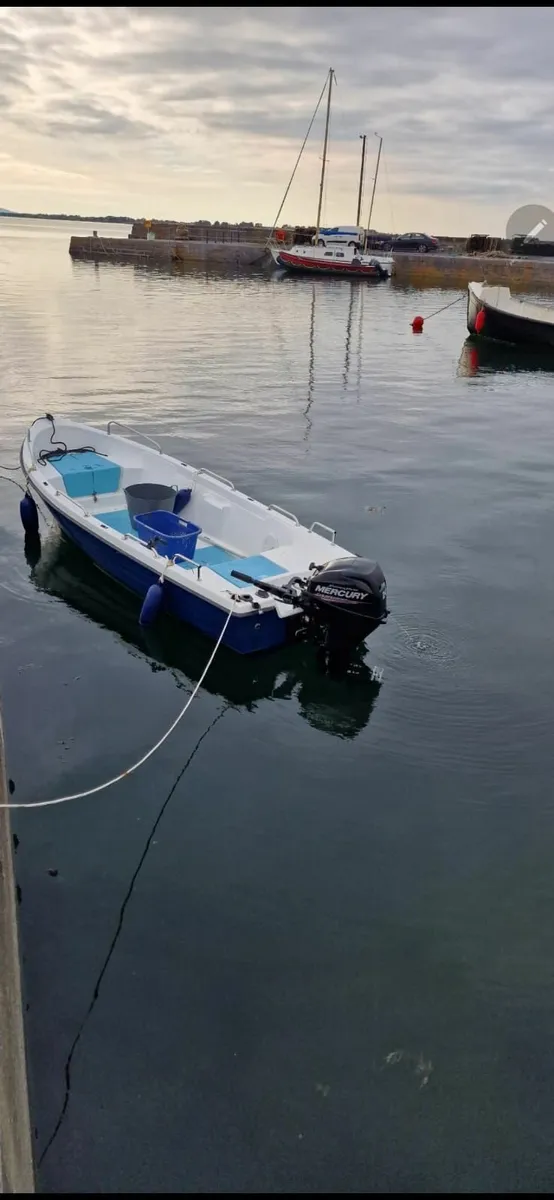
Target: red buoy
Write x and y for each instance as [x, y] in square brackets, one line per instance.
[480, 321]
[417, 324]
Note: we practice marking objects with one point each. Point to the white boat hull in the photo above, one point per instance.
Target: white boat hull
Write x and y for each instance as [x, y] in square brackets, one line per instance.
[493, 313]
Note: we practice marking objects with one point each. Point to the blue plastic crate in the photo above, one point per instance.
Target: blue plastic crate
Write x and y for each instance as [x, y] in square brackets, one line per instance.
[169, 533]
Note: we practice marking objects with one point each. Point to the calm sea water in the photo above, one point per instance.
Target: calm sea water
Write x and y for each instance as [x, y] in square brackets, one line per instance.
[309, 946]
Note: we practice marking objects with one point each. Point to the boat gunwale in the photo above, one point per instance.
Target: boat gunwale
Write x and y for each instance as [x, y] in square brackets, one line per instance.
[507, 312]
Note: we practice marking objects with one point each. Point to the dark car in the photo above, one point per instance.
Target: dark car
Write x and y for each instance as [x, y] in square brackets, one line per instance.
[379, 241]
[421, 243]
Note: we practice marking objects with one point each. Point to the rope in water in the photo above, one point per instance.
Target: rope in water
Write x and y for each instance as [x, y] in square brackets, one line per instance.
[44, 513]
[101, 787]
[14, 481]
[445, 306]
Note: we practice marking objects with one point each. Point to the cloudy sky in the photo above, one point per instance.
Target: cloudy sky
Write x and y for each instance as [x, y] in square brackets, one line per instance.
[200, 112]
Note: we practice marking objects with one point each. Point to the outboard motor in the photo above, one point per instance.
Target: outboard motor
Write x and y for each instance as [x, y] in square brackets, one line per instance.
[381, 270]
[343, 602]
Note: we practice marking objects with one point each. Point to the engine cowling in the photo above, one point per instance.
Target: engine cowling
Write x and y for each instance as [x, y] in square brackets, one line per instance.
[347, 601]
[351, 585]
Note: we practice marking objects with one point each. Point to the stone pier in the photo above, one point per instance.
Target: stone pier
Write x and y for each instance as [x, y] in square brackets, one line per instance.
[165, 244]
[457, 270]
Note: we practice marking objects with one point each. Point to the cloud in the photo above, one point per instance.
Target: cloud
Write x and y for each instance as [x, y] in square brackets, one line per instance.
[192, 111]
[87, 117]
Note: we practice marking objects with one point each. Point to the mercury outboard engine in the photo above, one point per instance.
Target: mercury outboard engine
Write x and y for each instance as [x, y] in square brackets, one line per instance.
[381, 270]
[342, 602]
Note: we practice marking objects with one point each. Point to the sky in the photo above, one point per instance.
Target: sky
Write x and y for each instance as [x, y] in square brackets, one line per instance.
[199, 113]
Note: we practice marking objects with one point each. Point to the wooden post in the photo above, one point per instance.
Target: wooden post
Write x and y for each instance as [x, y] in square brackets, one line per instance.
[16, 1154]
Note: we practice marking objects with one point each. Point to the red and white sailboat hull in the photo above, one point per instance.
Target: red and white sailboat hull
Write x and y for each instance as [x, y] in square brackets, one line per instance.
[315, 260]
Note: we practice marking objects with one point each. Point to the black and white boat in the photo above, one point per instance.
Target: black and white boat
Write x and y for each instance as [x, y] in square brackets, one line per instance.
[492, 312]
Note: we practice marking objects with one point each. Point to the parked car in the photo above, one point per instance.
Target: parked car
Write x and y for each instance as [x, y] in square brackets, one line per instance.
[422, 243]
[341, 235]
[379, 241]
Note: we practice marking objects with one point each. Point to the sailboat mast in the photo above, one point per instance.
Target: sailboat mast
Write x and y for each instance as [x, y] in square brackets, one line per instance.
[375, 180]
[324, 163]
[361, 187]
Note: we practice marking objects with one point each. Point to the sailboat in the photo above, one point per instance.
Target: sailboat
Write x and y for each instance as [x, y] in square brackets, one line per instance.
[321, 259]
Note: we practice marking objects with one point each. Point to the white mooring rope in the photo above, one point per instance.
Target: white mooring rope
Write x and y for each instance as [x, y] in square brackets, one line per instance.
[101, 787]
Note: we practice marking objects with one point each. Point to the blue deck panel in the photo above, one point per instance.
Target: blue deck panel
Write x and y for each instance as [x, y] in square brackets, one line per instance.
[120, 521]
[208, 555]
[257, 565]
[86, 473]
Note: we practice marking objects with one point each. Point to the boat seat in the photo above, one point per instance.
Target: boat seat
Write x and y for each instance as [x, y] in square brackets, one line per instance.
[131, 475]
[213, 514]
[270, 542]
[87, 473]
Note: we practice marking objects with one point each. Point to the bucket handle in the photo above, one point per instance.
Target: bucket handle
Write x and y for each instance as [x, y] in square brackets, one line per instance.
[136, 432]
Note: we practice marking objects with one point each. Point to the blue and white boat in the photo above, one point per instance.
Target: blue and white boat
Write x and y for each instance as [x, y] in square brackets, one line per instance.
[215, 550]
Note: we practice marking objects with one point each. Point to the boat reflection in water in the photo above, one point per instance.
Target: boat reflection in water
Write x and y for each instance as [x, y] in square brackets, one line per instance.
[339, 708]
[482, 357]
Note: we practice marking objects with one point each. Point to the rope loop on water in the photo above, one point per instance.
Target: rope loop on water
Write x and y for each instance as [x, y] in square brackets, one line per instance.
[101, 787]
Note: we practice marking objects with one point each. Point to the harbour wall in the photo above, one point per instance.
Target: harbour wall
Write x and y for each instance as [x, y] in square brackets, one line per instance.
[166, 252]
[16, 1156]
[234, 249]
[457, 270]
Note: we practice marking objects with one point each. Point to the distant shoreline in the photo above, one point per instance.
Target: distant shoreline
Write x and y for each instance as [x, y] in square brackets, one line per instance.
[68, 217]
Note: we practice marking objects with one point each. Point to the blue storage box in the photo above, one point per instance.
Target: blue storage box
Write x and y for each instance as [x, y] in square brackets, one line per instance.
[169, 533]
[86, 473]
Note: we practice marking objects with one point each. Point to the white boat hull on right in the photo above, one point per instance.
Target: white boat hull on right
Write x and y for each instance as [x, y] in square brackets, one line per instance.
[493, 313]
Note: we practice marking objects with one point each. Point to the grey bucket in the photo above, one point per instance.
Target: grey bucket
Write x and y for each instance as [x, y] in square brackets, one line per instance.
[149, 497]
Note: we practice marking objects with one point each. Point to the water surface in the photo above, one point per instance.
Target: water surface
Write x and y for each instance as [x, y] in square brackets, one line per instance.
[308, 948]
